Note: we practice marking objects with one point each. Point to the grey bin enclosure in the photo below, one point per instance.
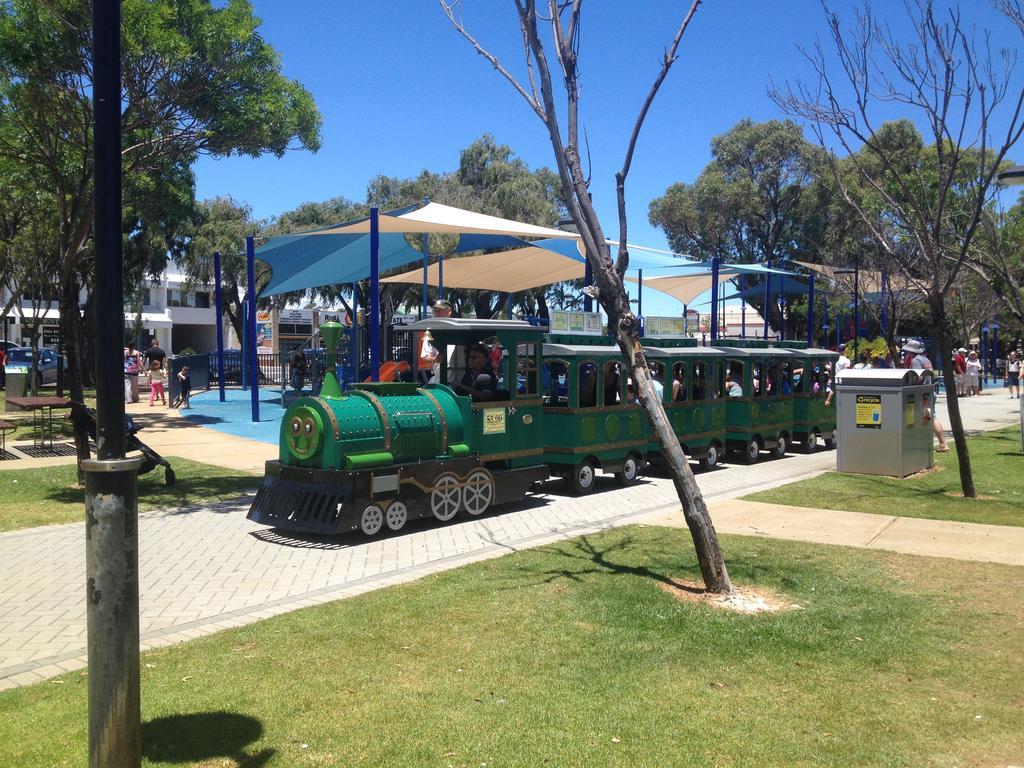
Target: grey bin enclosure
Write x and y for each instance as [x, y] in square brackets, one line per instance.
[884, 422]
[16, 380]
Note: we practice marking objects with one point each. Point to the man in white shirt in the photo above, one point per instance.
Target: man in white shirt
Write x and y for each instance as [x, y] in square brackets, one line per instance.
[843, 362]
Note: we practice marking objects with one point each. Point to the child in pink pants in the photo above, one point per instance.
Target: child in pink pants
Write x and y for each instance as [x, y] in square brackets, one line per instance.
[156, 385]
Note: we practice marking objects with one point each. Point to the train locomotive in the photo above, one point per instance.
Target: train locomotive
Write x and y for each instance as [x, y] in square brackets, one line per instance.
[380, 454]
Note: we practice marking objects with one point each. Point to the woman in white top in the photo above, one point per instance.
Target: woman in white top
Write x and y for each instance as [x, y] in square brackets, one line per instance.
[1013, 374]
[973, 373]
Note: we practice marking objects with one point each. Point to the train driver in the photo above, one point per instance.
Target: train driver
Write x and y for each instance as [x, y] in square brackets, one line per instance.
[479, 381]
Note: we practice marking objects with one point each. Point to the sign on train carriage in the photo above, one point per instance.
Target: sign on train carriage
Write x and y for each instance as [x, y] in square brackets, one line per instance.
[587, 323]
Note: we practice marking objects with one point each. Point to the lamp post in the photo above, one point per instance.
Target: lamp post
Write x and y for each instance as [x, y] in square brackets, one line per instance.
[856, 304]
[1015, 175]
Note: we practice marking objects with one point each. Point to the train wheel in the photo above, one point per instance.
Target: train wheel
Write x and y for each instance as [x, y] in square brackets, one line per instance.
[630, 469]
[780, 447]
[811, 443]
[752, 452]
[445, 497]
[371, 520]
[583, 477]
[478, 493]
[396, 516]
[710, 459]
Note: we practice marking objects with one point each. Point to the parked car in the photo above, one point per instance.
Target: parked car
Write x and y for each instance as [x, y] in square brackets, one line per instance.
[47, 365]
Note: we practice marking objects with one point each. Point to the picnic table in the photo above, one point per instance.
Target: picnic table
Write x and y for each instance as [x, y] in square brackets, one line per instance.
[5, 427]
[42, 415]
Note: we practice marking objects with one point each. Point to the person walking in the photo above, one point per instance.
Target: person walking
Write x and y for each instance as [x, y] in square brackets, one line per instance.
[156, 383]
[298, 369]
[1013, 374]
[185, 384]
[843, 362]
[919, 361]
[132, 369]
[973, 372]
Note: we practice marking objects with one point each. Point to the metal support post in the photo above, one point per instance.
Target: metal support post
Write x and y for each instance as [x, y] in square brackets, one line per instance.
[355, 333]
[374, 307]
[743, 306]
[111, 565]
[856, 301]
[254, 361]
[810, 311]
[885, 310]
[426, 288]
[767, 296]
[219, 314]
[639, 292]
[714, 299]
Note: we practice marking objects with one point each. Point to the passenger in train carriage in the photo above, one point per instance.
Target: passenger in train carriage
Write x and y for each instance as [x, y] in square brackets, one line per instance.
[732, 387]
[479, 381]
[678, 384]
[588, 386]
[612, 379]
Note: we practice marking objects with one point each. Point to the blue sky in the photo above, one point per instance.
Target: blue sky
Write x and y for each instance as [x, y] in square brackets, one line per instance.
[401, 91]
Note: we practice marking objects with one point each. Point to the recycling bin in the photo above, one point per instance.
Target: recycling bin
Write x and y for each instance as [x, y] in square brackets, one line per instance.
[885, 421]
[16, 380]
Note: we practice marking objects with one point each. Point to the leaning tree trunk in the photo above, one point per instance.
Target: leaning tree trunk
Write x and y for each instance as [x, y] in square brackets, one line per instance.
[956, 424]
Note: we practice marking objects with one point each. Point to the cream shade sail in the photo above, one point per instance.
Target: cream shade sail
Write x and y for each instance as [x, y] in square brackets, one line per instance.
[509, 271]
[435, 218]
[684, 288]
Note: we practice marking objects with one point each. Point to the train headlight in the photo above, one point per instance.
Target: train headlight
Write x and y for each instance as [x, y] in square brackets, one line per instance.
[304, 432]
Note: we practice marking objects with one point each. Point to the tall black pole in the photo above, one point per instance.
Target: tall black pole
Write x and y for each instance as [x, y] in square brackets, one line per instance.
[111, 502]
[219, 314]
[856, 302]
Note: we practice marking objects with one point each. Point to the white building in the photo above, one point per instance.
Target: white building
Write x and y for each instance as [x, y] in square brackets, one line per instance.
[180, 317]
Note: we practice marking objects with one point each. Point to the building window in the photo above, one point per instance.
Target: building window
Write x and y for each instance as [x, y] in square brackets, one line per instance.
[202, 299]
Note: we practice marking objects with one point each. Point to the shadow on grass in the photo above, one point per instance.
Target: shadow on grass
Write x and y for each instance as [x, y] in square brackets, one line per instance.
[202, 737]
[593, 560]
[186, 492]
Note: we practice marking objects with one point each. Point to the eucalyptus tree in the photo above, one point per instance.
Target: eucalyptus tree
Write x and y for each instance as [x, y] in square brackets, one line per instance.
[197, 79]
[538, 89]
[930, 194]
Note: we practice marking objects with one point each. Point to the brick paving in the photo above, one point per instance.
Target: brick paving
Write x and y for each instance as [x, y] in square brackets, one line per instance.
[207, 569]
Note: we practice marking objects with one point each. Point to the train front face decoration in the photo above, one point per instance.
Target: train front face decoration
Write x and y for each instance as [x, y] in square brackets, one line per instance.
[379, 455]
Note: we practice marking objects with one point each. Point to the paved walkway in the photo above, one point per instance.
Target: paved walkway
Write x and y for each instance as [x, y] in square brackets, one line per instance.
[233, 572]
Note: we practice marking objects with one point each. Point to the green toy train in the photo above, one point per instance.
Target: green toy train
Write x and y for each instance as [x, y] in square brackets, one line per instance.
[374, 457]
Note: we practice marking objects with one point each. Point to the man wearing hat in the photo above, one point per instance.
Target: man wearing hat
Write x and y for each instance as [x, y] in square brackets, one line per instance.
[429, 365]
[843, 362]
[960, 371]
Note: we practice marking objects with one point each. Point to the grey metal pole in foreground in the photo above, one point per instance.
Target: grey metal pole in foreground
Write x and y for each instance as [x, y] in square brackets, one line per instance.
[111, 505]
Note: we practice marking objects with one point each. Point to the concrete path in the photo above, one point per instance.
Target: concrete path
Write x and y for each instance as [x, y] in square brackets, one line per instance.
[206, 569]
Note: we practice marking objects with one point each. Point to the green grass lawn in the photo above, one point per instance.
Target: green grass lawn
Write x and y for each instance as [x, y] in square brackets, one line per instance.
[997, 466]
[571, 655]
[51, 495]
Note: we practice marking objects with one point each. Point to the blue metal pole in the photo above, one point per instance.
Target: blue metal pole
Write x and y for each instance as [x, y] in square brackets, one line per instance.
[810, 311]
[254, 362]
[824, 298]
[984, 353]
[743, 306]
[588, 279]
[714, 299]
[355, 333]
[686, 321]
[640, 293]
[767, 297]
[220, 323]
[995, 350]
[426, 266]
[244, 351]
[440, 276]
[375, 294]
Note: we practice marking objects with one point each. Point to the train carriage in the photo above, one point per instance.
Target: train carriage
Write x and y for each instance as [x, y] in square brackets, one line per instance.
[693, 397]
[589, 422]
[812, 417]
[761, 416]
